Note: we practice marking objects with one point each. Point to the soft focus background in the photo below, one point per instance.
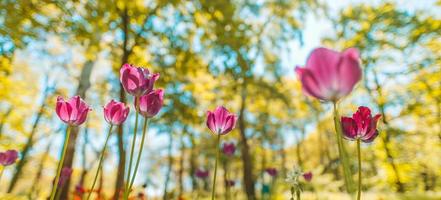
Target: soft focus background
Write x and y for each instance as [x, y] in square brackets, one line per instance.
[237, 53]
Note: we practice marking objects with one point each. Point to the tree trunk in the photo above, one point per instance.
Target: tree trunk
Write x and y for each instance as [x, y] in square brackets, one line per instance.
[248, 178]
[181, 167]
[3, 120]
[84, 85]
[29, 143]
[193, 163]
[40, 168]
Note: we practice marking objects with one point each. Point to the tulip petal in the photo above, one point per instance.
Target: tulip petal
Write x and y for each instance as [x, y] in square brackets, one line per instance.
[310, 84]
[349, 128]
[323, 63]
[349, 71]
[211, 122]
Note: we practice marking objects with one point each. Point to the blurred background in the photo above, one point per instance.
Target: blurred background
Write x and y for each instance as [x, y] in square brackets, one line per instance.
[236, 53]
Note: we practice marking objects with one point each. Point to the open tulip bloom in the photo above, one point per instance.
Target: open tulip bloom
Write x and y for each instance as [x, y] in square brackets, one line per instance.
[361, 127]
[329, 76]
[137, 81]
[74, 113]
[115, 113]
[220, 122]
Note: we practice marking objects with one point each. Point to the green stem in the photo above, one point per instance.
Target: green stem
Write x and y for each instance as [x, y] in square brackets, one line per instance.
[144, 133]
[342, 151]
[100, 162]
[359, 169]
[1, 172]
[298, 194]
[60, 164]
[215, 167]
[126, 192]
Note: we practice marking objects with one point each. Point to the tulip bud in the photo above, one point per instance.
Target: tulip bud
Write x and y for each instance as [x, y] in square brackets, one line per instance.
[116, 113]
[72, 112]
[307, 176]
[8, 158]
[229, 148]
[151, 103]
[137, 81]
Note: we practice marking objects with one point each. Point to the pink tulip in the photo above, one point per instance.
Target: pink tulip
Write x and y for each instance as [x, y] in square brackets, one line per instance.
[8, 158]
[151, 103]
[361, 126]
[221, 121]
[66, 172]
[137, 81]
[201, 173]
[307, 176]
[229, 148]
[330, 75]
[72, 112]
[271, 171]
[115, 112]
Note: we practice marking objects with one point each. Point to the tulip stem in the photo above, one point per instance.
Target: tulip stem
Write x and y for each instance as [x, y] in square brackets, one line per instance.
[342, 150]
[1, 171]
[144, 133]
[126, 192]
[359, 169]
[60, 164]
[215, 167]
[100, 161]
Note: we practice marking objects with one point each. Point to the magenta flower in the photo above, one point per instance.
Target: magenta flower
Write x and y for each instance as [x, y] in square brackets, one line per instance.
[8, 158]
[307, 176]
[361, 126]
[115, 112]
[221, 121]
[201, 173]
[229, 148]
[151, 103]
[66, 172]
[137, 81]
[271, 171]
[72, 112]
[230, 183]
[329, 75]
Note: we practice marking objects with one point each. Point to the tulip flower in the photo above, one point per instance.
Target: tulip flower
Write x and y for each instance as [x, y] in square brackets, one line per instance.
[8, 158]
[307, 176]
[361, 127]
[137, 81]
[66, 172]
[220, 122]
[330, 75]
[201, 173]
[229, 148]
[151, 103]
[72, 112]
[271, 171]
[116, 113]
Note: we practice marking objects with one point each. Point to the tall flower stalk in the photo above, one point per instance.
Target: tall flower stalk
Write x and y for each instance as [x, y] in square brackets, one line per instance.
[220, 122]
[361, 127]
[115, 113]
[342, 151]
[329, 76]
[74, 113]
[132, 151]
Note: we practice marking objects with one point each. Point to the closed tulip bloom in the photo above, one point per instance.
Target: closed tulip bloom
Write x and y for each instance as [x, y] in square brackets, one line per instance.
[307, 176]
[116, 113]
[8, 158]
[72, 112]
[330, 75]
[137, 81]
[201, 173]
[151, 103]
[66, 172]
[271, 171]
[221, 121]
[229, 148]
[361, 126]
